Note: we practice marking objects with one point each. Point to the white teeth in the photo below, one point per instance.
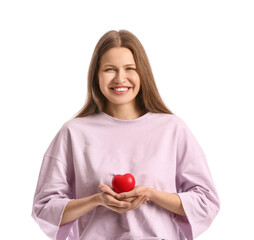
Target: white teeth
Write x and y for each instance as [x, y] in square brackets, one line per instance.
[121, 89]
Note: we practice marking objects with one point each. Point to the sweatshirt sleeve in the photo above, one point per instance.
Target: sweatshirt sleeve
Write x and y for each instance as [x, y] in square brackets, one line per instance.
[54, 187]
[195, 186]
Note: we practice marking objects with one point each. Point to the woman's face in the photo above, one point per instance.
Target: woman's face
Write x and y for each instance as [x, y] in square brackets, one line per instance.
[118, 79]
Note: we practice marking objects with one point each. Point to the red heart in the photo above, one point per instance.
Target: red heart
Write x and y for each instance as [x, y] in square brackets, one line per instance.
[123, 183]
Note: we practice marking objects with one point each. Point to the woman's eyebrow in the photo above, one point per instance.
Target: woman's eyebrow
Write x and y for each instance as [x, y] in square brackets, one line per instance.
[126, 65]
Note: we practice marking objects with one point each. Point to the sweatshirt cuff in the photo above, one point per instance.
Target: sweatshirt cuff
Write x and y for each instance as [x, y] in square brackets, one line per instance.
[184, 222]
[50, 222]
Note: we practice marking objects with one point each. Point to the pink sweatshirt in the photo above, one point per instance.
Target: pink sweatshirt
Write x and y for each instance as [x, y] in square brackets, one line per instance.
[157, 148]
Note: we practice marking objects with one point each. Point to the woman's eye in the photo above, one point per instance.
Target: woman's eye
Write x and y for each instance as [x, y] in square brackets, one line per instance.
[130, 68]
[109, 69]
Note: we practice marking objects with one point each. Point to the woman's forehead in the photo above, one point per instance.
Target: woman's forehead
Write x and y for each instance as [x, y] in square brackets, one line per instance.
[117, 56]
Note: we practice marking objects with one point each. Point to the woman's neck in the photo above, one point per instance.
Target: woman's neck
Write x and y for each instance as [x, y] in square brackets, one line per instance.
[124, 113]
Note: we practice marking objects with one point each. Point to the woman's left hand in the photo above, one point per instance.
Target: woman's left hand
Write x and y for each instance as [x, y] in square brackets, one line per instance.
[128, 196]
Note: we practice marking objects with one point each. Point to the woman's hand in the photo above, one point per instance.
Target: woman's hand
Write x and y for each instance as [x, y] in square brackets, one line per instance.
[115, 202]
[135, 192]
[128, 196]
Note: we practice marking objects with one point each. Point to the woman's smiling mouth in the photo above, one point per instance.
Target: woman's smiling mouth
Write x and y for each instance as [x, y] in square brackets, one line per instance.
[120, 90]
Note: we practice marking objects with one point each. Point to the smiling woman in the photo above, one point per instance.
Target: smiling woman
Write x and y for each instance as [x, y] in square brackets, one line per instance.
[124, 127]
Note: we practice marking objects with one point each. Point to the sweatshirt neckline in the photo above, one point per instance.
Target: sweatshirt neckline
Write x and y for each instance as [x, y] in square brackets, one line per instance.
[121, 121]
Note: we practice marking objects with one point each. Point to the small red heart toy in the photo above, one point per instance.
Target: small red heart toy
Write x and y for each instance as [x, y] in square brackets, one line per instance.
[123, 183]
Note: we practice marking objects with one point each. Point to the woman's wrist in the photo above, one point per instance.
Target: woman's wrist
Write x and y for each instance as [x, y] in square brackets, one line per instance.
[98, 199]
[151, 192]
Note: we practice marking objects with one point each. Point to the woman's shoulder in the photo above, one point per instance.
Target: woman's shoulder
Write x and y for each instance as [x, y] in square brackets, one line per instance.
[171, 118]
[75, 123]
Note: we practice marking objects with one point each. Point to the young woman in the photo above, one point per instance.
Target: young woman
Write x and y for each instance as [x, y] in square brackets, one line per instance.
[124, 127]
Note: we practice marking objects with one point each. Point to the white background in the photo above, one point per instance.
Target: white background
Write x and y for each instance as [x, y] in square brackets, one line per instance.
[202, 56]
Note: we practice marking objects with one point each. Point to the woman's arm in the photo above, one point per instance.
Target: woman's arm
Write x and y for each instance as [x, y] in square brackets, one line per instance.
[169, 201]
[79, 207]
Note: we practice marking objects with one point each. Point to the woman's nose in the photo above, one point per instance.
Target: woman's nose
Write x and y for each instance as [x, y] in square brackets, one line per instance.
[120, 77]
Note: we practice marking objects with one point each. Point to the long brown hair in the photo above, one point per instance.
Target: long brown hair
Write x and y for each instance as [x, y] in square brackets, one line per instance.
[148, 98]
